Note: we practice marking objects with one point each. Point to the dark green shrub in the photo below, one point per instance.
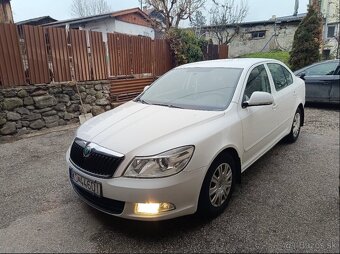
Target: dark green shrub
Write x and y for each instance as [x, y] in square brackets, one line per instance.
[307, 40]
[185, 45]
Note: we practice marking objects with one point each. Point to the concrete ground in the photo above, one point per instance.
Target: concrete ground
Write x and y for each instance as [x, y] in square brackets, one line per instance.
[288, 202]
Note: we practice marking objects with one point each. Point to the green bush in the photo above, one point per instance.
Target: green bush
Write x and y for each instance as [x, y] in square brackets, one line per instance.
[307, 40]
[185, 45]
[282, 56]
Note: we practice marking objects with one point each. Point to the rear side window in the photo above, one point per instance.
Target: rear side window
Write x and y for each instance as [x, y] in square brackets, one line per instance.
[281, 76]
[322, 69]
[257, 81]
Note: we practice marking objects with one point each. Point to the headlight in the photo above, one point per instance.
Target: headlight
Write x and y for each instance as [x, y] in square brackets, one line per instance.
[161, 165]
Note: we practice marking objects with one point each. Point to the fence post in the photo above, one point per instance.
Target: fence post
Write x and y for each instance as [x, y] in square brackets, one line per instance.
[11, 66]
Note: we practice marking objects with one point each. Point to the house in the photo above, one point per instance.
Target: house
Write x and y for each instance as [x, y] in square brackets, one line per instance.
[331, 29]
[267, 35]
[278, 33]
[158, 21]
[37, 21]
[6, 15]
[154, 15]
[131, 21]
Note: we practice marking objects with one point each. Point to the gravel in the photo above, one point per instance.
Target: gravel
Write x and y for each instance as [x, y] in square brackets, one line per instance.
[288, 202]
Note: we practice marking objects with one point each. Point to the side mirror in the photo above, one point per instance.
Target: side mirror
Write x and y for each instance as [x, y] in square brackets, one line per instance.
[302, 75]
[259, 99]
[146, 88]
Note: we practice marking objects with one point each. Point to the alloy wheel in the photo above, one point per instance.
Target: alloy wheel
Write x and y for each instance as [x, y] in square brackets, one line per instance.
[220, 184]
[296, 124]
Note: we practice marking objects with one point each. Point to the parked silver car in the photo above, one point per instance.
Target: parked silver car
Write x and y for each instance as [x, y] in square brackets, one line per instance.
[322, 81]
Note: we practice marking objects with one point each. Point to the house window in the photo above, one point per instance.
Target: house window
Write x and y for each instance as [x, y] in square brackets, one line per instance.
[330, 31]
[258, 34]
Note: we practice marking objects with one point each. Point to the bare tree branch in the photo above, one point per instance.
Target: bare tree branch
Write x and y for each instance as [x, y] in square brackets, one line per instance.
[84, 8]
[198, 20]
[175, 11]
[225, 18]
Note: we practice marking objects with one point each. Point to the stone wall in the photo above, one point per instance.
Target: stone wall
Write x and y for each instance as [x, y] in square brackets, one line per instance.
[30, 108]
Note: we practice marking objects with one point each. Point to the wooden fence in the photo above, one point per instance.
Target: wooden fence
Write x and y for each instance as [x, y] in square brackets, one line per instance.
[11, 66]
[212, 52]
[35, 55]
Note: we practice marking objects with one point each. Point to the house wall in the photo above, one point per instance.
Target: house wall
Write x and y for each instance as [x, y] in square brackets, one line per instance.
[134, 18]
[244, 43]
[128, 28]
[331, 14]
[330, 10]
[104, 26]
[111, 25]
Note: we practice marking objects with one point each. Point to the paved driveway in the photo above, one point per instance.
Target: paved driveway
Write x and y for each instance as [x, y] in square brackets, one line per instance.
[288, 202]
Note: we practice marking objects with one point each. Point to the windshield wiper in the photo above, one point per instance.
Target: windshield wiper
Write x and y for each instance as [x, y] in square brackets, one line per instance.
[142, 101]
[166, 105]
[173, 106]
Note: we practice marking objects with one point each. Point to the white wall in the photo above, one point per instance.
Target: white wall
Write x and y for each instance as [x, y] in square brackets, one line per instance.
[128, 28]
[105, 26]
[111, 25]
[331, 13]
[244, 44]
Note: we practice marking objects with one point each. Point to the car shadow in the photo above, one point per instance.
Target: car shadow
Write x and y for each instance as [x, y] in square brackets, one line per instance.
[149, 230]
[318, 105]
[168, 229]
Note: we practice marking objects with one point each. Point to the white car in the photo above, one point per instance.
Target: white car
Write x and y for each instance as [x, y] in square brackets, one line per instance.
[181, 146]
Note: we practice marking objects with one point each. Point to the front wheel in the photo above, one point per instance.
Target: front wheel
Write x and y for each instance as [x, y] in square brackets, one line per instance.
[217, 186]
[296, 127]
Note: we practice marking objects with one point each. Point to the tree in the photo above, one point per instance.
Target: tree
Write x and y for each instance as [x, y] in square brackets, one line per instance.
[225, 19]
[307, 39]
[185, 45]
[198, 20]
[174, 11]
[84, 8]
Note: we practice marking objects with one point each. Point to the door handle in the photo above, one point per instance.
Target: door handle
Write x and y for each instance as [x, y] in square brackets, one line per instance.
[274, 106]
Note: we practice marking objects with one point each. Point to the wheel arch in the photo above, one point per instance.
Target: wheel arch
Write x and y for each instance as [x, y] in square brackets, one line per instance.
[235, 154]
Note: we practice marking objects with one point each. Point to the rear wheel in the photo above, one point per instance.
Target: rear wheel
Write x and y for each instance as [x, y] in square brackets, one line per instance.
[217, 186]
[296, 127]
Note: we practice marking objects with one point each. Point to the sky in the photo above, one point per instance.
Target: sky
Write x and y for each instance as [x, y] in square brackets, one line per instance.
[60, 9]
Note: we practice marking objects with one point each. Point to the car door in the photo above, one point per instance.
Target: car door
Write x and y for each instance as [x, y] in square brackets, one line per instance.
[284, 96]
[258, 122]
[318, 88]
[319, 81]
[335, 94]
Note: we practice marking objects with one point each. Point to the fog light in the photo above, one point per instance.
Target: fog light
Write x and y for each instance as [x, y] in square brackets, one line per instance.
[153, 208]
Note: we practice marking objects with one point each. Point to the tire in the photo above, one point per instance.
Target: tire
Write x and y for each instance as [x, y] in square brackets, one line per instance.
[212, 205]
[296, 127]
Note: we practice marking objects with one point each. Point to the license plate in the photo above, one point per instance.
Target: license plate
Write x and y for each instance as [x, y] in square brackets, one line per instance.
[91, 186]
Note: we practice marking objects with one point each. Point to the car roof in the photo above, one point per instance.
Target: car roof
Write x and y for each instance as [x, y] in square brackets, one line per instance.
[229, 63]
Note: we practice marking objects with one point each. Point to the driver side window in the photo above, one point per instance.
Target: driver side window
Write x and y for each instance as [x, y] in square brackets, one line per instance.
[258, 81]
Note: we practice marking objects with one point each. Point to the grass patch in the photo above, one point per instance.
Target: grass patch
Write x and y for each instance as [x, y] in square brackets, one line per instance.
[282, 56]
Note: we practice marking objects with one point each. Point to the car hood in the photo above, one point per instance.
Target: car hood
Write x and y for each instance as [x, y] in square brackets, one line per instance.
[133, 125]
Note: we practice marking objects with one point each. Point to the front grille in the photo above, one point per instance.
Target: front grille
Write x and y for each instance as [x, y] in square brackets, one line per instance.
[104, 204]
[97, 162]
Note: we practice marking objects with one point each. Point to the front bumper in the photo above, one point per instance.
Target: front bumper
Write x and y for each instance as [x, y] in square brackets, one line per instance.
[122, 193]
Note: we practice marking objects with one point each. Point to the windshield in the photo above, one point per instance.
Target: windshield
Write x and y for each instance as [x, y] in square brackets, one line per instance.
[194, 88]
